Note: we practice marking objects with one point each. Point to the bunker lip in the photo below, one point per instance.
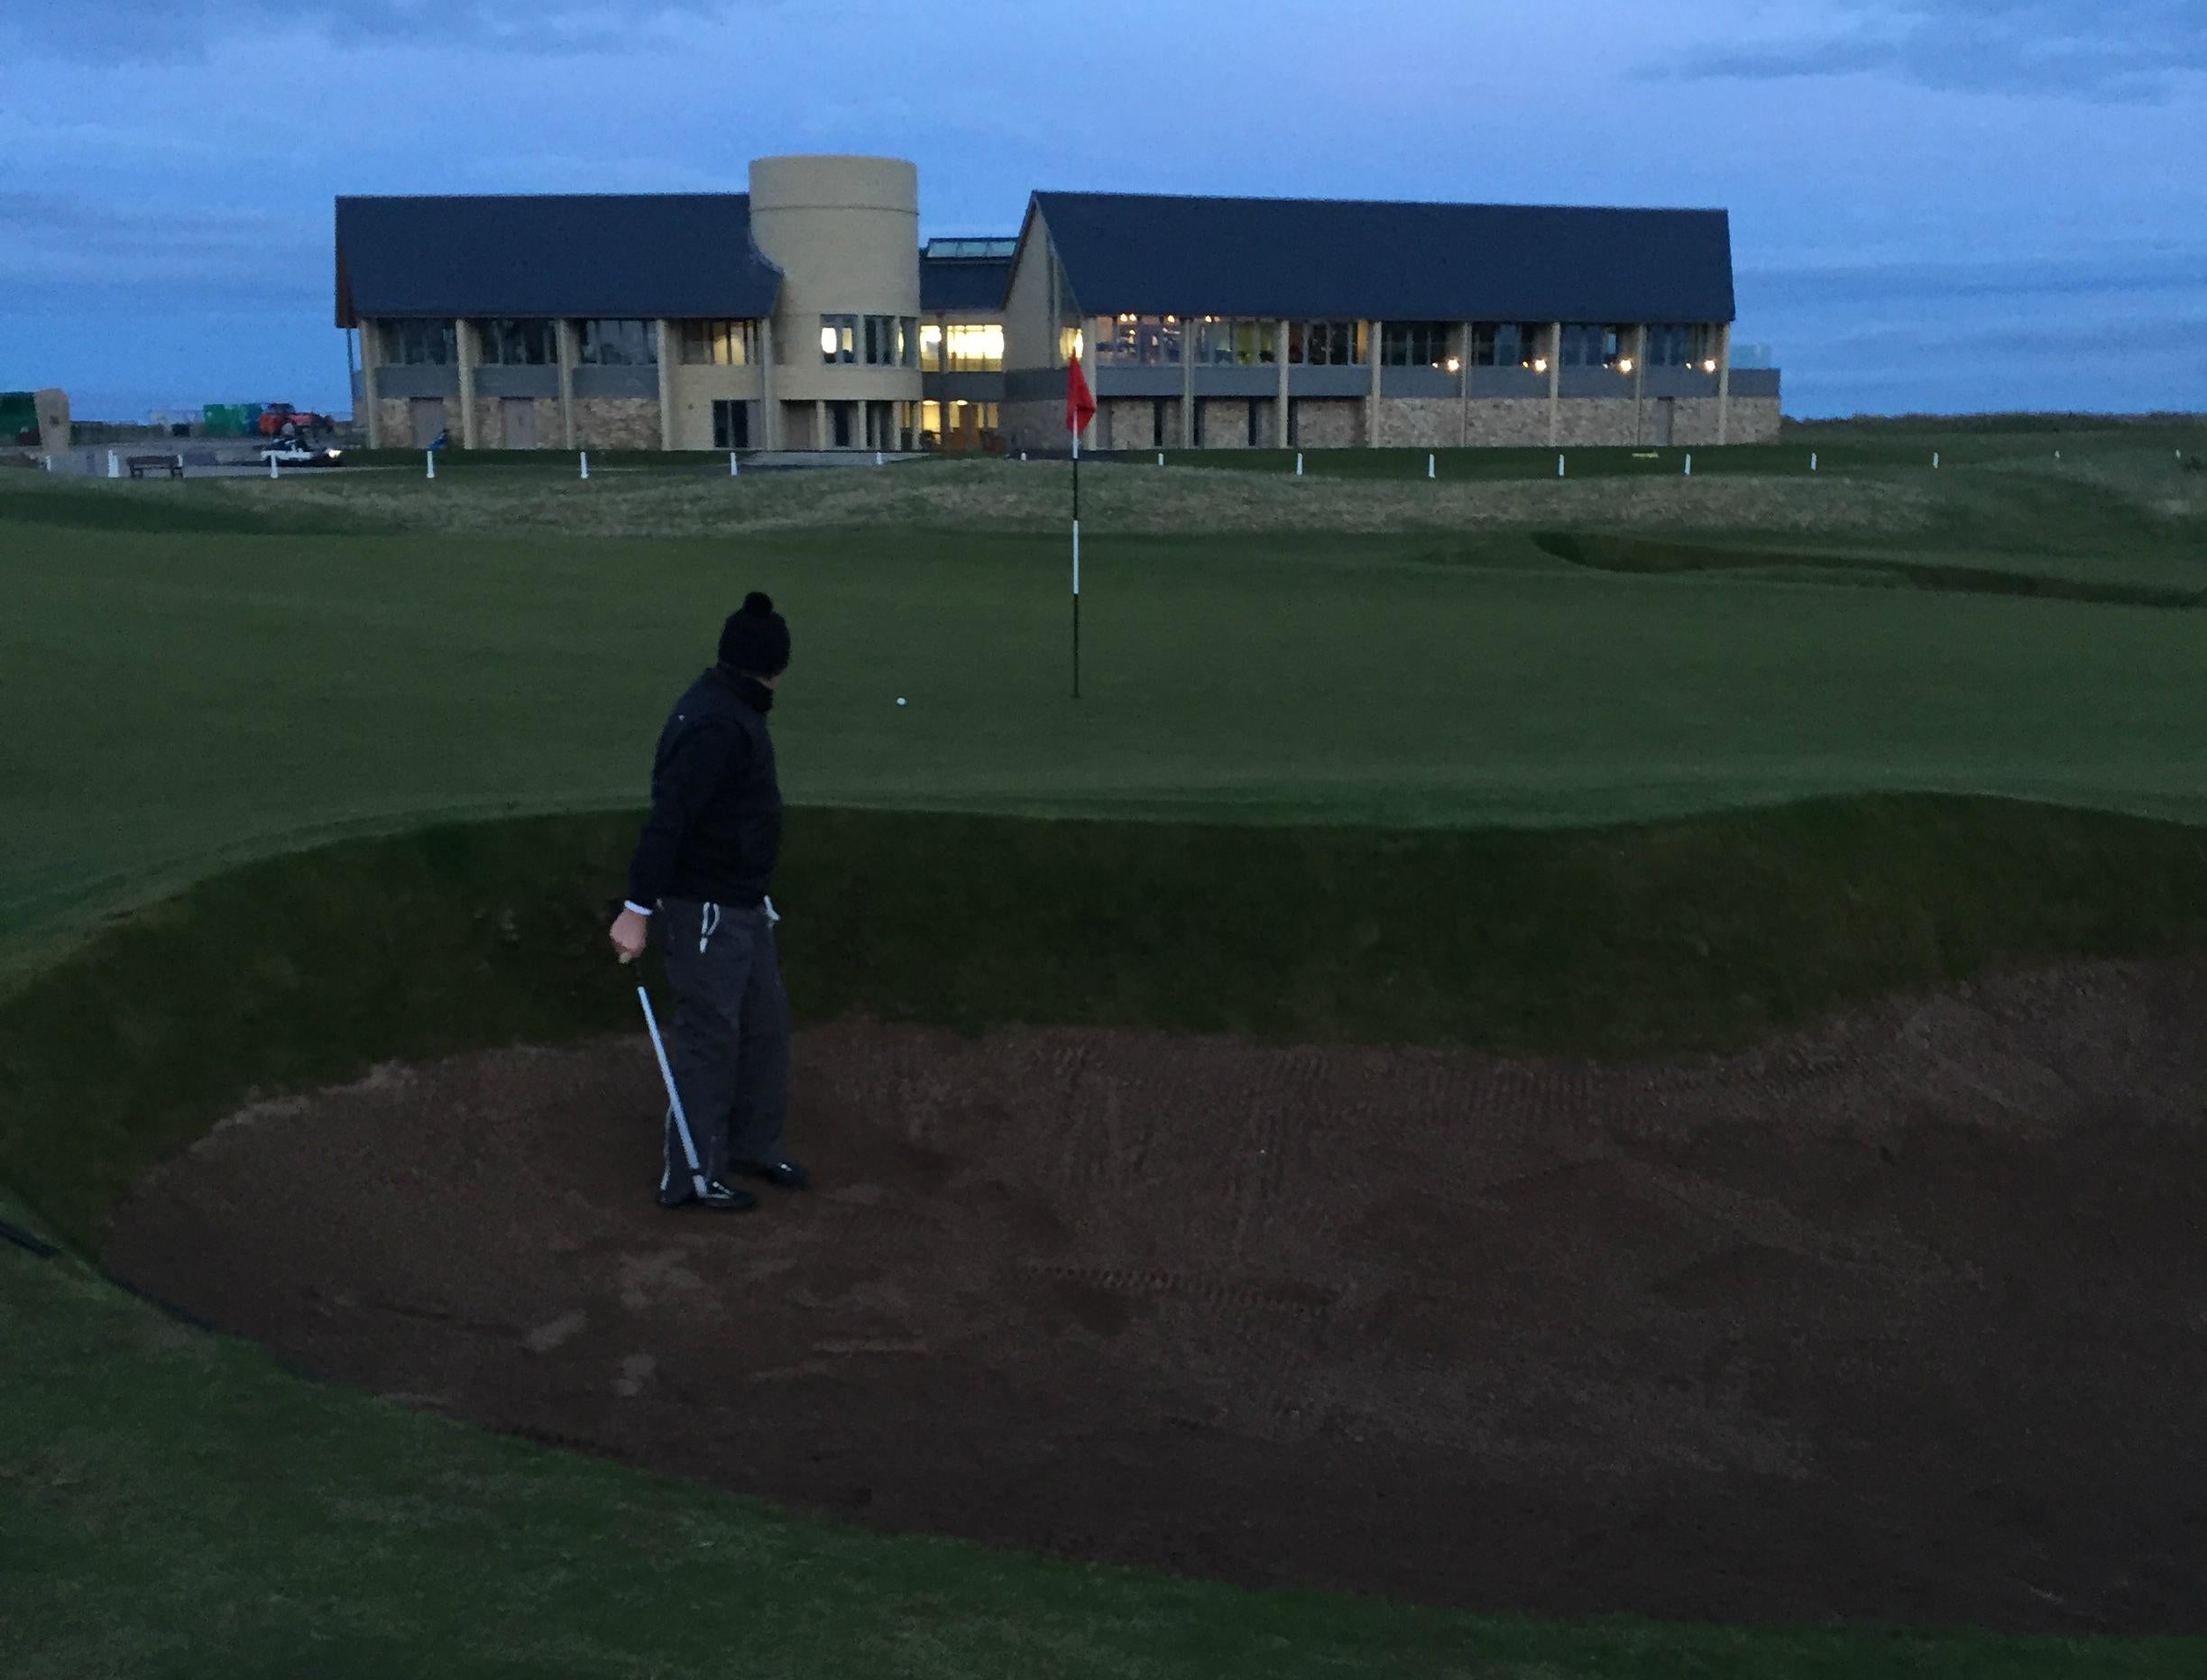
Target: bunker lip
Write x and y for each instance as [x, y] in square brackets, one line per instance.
[1893, 1319]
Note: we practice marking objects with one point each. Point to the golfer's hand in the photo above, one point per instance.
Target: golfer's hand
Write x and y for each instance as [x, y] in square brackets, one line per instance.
[630, 933]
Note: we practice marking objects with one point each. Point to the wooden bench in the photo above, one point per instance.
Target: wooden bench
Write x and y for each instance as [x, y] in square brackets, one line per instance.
[140, 465]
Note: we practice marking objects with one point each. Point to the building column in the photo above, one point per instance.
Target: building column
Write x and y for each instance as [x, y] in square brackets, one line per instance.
[769, 406]
[563, 336]
[1724, 383]
[369, 334]
[463, 344]
[1371, 408]
[666, 330]
[1640, 383]
[1188, 326]
[1463, 384]
[1279, 354]
[820, 424]
[1555, 381]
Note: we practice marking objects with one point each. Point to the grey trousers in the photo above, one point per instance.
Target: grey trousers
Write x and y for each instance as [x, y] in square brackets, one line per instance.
[729, 1045]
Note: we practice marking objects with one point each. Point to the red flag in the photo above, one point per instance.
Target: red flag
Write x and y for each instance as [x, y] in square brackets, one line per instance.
[1080, 407]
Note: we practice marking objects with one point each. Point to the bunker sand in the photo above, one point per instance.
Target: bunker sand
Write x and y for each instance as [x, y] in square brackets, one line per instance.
[1898, 1319]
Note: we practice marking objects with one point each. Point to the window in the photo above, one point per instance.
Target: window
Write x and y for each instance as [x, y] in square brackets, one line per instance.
[1139, 340]
[839, 339]
[1415, 344]
[931, 351]
[1586, 346]
[1071, 341]
[1223, 341]
[418, 343]
[1508, 343]
[1678, 346]
[731, 425]
[718, 344]
[976, 347]
[1325, 344]
[619, 344]
[518, 343]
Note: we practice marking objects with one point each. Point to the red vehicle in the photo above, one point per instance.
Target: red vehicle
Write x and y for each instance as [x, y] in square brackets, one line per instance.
[278, 415]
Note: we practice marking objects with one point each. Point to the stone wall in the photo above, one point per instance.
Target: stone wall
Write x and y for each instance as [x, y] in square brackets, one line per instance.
[1035, 425]
[1328, 422]
[1130, 423]
[1226, 422]
[1754, 421]
[615, 422]
[1419, 422]
[491, 424]
[1595, 421]
[397, 417]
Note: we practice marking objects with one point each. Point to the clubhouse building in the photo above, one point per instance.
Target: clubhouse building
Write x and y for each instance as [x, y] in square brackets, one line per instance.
[806, 316]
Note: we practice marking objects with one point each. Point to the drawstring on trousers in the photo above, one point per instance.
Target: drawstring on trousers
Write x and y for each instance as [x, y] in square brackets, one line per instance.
[708, 925]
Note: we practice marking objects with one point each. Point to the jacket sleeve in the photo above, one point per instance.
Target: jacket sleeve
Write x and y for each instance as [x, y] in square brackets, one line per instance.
[682, 781]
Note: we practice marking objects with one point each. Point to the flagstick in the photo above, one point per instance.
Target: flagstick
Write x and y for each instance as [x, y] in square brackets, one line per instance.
[1076, 560]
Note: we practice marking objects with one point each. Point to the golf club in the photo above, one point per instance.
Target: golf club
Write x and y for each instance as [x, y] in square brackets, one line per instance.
[674, 1097]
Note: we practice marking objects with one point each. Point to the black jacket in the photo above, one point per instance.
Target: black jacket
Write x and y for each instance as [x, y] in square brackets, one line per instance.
[715, 827]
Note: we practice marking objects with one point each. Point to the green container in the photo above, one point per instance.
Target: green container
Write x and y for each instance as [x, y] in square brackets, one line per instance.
[18, 415]
[230, 419]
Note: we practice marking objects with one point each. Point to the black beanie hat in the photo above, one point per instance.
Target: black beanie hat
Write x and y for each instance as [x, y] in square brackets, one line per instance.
[756, 637]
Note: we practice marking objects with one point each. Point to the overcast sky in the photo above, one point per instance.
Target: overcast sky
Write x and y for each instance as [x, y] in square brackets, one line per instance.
[1936, 204]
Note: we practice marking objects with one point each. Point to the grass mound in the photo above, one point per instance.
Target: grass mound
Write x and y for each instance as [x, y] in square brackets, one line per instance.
[306, 969]
[1652, 556]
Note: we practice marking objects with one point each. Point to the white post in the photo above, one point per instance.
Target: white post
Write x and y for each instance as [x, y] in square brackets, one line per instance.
[1690, 463]
[877, 457]
[429, 456]
[1558, 466]
[1161, 457]
[1429, 466]
[48, 460]
[1022, 455]
[272, 467]
[114, 467]
[732, 463]
[585, 454]
[1299, 463]
[1812, 460]
[1934, 460]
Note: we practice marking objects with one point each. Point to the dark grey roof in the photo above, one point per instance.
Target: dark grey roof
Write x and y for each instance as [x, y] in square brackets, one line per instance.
[682, 255]
[1313, 258]
[968, 283]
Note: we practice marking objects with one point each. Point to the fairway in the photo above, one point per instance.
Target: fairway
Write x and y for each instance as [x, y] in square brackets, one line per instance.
[177, 700]
[1638, 863]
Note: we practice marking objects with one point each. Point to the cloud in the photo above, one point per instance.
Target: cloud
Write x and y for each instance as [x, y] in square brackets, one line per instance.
[103, 31]
[52, 241]
[2099, 49]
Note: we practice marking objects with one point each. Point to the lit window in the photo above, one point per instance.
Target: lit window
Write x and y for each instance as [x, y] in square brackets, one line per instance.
[931, 353]
[1235, 341]
[974, 347]
[1071, 343]
[718, 344]
[1139, 340]
[838, 339]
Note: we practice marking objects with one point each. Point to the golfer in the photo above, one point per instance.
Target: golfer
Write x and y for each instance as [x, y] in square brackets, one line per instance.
[700, 880]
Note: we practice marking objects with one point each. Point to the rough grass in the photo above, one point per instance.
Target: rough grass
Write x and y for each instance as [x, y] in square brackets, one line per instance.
[966, 495]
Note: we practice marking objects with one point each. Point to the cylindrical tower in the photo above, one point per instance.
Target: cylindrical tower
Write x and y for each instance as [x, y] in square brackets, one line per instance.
[845, 234]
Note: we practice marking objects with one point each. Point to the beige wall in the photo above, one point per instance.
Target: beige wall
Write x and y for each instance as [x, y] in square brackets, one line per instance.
[1426, 422]
[695, 389]
[845, 234]
[1030, 333]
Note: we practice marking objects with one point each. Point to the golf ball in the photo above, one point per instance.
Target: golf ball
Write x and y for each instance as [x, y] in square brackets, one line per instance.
[900, 700]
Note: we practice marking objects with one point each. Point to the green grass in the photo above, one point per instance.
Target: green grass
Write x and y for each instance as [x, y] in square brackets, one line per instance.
[1411, 727]
[174, 1506]
[178, 701]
